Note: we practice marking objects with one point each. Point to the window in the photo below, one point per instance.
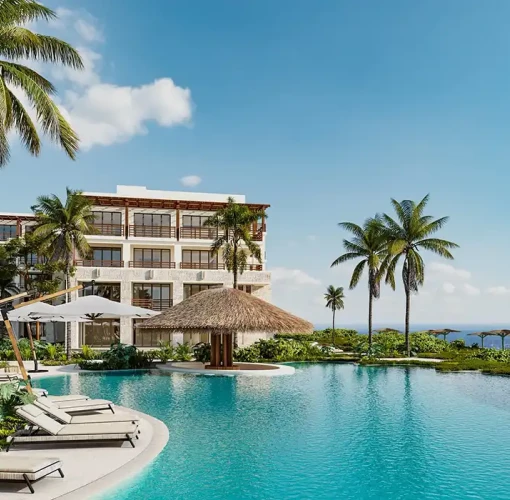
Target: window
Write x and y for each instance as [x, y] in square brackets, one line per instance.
[245, 288]
[199, 259]
[153, 220]
[149, 338]
[108, 223]
[151, 257]
[150, 296]
[193, 220]
[109, 291]
[7, 231]
[192, 289]
[32, 259]
[100, 333]
[107, 257]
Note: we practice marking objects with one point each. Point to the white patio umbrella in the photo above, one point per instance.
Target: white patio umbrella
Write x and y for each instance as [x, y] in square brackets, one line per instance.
[36, 309]
[94, 307]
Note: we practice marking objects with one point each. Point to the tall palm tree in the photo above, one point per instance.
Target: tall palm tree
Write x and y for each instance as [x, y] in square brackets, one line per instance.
[235, 238]
[18, 42]
[369, 245]
[61, 228]
[8, 273]
[406, 236]
[335, 301]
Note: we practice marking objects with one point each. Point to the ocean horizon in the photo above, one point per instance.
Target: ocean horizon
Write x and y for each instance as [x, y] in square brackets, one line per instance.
[464, 330]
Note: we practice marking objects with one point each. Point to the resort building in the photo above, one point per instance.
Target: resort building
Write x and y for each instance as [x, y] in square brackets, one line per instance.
[151, 249]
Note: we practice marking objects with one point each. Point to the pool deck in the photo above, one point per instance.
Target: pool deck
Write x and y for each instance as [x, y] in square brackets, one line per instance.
[89, 470]
[245, 369]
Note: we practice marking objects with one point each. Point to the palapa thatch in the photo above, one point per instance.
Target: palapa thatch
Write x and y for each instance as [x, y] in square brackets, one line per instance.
[225, 310]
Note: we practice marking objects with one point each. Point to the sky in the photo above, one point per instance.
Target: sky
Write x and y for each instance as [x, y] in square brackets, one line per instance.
[324, 110]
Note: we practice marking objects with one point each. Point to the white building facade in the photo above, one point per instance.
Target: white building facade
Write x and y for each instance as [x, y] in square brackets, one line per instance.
[151, 249]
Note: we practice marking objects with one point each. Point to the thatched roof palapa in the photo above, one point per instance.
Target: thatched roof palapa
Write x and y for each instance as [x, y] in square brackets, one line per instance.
[221, 310]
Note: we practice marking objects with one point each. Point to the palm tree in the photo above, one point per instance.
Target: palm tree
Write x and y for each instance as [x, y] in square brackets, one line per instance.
[8, 273]
[62, 228]
[367, 244]
[406, 236]
[234, 223]
[335, 301]
[18, 42]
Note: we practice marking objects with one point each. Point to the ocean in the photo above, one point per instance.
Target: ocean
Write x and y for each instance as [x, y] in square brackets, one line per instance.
[464, 331]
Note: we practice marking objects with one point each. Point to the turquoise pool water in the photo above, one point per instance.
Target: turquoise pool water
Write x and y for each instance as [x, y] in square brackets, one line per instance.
[328, 432]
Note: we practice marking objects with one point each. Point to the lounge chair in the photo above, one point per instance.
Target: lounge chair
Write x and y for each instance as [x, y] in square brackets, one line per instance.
[45, 430]
[69, 397]
[65, 418]
[84, 405]
[28, 468]
[9, 377]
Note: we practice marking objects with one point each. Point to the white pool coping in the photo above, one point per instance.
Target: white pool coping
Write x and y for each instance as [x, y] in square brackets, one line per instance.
[89, 471]
[251, 370]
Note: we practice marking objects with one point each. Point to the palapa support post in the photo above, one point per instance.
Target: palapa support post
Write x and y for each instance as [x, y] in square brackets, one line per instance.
[215, 351]
[15, 348]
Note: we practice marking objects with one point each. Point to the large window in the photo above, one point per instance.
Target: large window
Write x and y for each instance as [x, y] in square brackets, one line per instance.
[150, 296]
[193, 227]
[100, 333]
[149, 338]
[192, 289]
[153, 226]
[193, 220]
[245, 288]
[199, 259]
[151, 257]
[105, 257]
[7, 231]
[109, 291]
[108, 223]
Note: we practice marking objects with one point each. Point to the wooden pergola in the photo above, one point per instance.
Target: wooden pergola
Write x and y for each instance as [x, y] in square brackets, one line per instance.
[444, 332]
[222, 312]
[500, 333]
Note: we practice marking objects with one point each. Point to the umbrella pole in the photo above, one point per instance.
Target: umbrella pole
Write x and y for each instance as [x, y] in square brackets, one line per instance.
[15, 348]
[32, 347]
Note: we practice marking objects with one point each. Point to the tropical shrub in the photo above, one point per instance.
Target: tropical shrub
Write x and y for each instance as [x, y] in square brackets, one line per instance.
[424, 342]
[11, 396]
[458, 344]
[279, 350]
[249, 354]
[183, 352]
[9, 425]
[165, 352]
[202, 352]
[119, 357]
[88, 353]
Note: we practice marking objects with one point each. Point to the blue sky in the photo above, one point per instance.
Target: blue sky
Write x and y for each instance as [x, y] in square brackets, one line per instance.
[323, 109]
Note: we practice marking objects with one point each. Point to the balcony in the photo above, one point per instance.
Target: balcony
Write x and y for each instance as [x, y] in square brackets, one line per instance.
[99, 263]
[209, 233]
[153, 304]
[151, 264]
[202, 265]
[152, 231]
[108, 229]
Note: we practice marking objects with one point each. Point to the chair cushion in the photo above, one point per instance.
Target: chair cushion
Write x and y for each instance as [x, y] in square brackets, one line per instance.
[103, 429]
[25, 463]
[53, 410]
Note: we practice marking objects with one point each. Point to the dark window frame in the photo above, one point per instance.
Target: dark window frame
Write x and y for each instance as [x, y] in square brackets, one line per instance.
[152, 216]
[152, 250]
[201, 287]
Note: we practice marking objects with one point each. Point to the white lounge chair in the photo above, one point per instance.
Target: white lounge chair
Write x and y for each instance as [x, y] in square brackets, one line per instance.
[44, 430]
[84, 405]
[28, 468]
[65, 418]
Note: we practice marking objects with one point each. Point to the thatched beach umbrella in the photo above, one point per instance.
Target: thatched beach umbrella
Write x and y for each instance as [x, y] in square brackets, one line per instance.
[444, 332]
[502, 334]
[482, 335]
[222, 312]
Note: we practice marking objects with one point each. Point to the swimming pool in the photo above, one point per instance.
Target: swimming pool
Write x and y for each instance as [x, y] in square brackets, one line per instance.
[330, 431]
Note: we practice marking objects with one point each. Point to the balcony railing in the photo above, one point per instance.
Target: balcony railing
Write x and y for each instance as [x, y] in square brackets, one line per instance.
[209, 233]
[254, 267]
[202, 265]
[152, 231]
[151, 264]
[99, 263]
[108, 229]
[154, 304]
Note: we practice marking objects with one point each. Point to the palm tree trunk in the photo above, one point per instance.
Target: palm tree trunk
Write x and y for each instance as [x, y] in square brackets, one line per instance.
[333, 334]
[370, 299]
[408, 307]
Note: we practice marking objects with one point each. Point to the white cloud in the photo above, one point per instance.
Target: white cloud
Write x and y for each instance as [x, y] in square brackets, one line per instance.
[449, 270]
[85, 77]
[88, 31]
[449, 287]
[191, 180]
[107, 114]
[471, 290]
[294, 276]
[498, 290]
